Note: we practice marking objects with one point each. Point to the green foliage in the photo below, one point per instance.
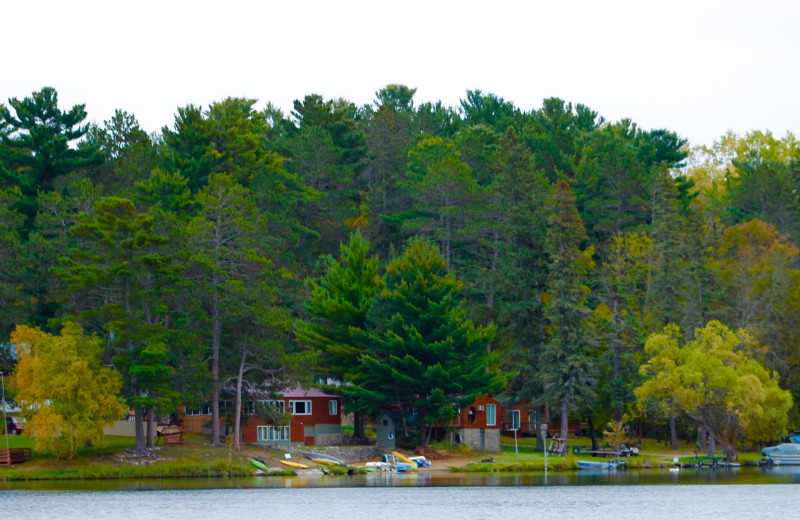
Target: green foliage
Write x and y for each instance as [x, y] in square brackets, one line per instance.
[121, 268]
[36, 144]
[422, 353]
[676, 243]
[338, 307]
[565, 367]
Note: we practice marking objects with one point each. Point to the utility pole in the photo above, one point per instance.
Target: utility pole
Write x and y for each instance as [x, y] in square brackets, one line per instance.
[543, 427]
[5, 419]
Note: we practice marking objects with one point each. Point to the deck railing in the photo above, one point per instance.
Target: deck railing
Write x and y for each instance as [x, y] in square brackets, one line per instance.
[14, 456]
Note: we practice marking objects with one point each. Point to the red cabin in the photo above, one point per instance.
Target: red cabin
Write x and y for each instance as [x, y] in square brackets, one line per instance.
[313, 418]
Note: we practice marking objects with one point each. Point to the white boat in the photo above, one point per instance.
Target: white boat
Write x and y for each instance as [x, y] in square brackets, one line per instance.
[783, 454]
[596, 464]
[379, 466]
[420, 461]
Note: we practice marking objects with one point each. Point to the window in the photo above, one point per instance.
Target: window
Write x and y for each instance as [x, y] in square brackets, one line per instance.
[273, 433]
[513, 419]
[203, 409]
[300, 407]
[276, 404]
[491, 415]
[254, 407]
[333, 407]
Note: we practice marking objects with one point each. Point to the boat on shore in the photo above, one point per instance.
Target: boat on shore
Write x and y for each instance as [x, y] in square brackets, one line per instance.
[786, 454]
[259, 464]
[321, 458]
[597, 464]
[420, 461]
[293, 464]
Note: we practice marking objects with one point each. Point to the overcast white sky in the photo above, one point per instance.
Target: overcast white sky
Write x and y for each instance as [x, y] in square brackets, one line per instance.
[697, 67]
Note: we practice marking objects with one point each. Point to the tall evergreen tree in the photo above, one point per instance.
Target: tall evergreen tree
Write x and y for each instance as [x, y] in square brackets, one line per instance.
[423, 356]
[37, 144]
[122, 269]
[338, 306]
[566, 370]
[225, 264]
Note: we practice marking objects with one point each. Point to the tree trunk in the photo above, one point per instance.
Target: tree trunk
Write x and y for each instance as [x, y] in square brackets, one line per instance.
[673, 432]
[140, 448]
[151, 429]
[712, 445]
[564, 419]
[358, 426]
[237, 409]
[593, 435]
[215, 344]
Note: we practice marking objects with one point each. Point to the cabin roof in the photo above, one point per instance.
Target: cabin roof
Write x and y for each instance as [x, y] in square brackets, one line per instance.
[299, 391]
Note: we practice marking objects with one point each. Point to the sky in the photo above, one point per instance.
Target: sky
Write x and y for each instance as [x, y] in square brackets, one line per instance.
[699, 68]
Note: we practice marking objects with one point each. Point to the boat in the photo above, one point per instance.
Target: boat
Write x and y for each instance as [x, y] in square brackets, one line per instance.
[318, 456]
[325, 462]
[597, 464]
[399, 462]
[783, 454]
[402, 458]
[259, 464]
[421, 461]
[379, 466]
[293, 464]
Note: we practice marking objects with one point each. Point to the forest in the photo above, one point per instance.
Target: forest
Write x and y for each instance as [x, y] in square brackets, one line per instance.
[422, 254]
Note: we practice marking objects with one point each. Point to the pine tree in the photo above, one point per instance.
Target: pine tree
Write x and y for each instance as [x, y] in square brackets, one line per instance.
[340, 301]
[565, 368]
[36, 145]
[422, 355]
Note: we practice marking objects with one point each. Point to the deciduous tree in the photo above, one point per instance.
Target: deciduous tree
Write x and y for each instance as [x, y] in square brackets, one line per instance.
[719, 380]
[67, 396]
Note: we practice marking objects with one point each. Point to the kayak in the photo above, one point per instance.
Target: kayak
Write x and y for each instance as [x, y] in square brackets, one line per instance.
[258, 464]
[402, 458]
[294, 464]
[314, 456]
[324, 462]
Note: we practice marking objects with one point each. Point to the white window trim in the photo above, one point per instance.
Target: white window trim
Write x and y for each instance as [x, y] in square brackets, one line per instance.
[514, 419]
[494, 415]
[333, 407]
[307, 403]
[273, 433]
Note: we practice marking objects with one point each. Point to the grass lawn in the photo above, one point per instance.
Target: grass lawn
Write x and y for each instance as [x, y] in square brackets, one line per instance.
[199, 459]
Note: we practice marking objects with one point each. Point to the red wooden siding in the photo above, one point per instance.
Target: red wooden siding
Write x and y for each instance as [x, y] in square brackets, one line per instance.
[478, 417]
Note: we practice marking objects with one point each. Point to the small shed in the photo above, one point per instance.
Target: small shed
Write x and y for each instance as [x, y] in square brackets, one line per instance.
[384, 428]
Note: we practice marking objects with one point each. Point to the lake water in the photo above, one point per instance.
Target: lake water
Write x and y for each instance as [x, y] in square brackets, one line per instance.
[745, 493]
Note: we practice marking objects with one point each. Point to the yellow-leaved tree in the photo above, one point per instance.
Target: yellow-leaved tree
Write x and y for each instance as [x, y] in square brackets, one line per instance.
[719, 380]
[67, 396]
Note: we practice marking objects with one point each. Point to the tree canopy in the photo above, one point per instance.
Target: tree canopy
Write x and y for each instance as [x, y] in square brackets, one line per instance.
[403, 240]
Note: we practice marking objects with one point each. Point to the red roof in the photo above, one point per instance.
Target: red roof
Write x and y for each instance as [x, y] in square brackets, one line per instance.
[299, 391]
